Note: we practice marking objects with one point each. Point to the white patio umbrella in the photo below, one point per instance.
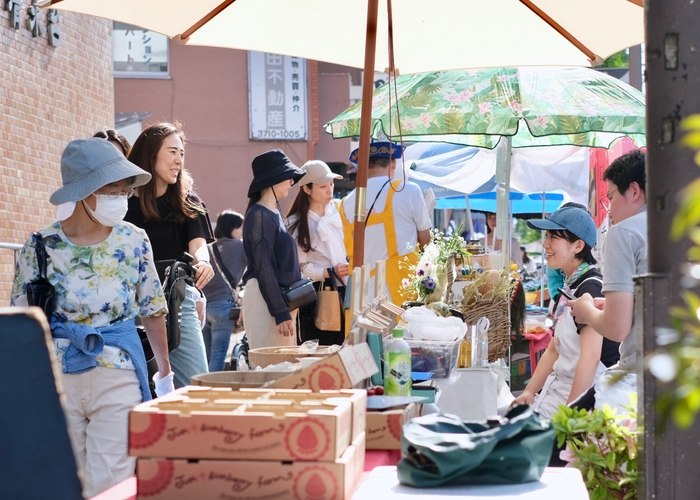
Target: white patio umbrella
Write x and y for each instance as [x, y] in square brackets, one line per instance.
[413, 36]
[428, 35]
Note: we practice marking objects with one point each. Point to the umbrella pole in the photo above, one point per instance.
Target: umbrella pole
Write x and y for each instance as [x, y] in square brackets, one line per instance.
[542, 256]
[365, 131]
[470, 221]
[503, 199]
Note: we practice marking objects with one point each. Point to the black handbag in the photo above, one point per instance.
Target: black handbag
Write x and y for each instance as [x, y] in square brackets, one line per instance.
[40, 292]
[299, 294]
[235, 311]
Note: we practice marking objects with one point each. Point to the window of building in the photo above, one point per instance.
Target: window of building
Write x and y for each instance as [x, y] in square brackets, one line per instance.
[139, 53]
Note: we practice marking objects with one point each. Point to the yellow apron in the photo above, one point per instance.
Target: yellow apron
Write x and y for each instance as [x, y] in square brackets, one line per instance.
[394, 274]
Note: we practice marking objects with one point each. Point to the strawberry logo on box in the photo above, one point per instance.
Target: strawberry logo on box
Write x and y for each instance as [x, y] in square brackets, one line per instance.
[315, 483]
[143, 438]
[395, 426]
[154, 477]
[307, 439]
[326, 377]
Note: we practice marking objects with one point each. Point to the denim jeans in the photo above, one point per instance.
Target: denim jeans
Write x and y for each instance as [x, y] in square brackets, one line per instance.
[217, 333]
[190, 358]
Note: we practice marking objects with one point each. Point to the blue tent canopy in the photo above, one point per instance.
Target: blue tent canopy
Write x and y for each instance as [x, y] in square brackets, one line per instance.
[521, 203]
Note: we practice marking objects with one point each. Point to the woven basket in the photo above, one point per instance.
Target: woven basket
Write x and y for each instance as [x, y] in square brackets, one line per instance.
[499, 330]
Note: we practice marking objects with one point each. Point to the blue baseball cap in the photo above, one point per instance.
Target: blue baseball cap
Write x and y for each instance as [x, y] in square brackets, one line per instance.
[385, 149]
[578, 222]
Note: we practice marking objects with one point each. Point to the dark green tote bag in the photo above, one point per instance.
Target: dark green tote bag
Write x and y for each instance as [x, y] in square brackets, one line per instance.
[443, 449]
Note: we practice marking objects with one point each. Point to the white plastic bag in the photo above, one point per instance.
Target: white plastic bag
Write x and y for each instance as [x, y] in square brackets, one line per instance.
[424, 324]
[614, 388]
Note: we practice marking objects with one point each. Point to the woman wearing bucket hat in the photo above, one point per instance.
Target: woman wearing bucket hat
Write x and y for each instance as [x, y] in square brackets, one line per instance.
[176, 221]
[316, 225]
[270, 251]
[104, 276]
[577, 353]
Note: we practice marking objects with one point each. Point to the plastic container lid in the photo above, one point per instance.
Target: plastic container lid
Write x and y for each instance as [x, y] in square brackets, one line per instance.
[397, 333]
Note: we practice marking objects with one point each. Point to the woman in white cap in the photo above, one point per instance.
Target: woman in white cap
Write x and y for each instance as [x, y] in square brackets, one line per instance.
[270, 252]
[577, 353]
[103, 274]
[316, 225]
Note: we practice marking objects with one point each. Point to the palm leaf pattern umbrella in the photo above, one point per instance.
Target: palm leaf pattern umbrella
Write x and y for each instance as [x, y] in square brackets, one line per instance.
[535, 106]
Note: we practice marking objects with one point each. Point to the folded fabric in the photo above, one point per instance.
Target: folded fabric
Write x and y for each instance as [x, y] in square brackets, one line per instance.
[86, 342]
[164, 385]
[443, 449]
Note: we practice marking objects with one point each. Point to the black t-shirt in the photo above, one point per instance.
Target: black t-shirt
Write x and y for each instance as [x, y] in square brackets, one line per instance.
[169, 239]
[610, 351]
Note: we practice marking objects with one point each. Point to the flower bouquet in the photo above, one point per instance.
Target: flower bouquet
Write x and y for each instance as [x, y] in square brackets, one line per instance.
[429, 279]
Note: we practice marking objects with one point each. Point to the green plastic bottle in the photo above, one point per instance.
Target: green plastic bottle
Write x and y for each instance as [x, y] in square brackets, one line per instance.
[397, 366]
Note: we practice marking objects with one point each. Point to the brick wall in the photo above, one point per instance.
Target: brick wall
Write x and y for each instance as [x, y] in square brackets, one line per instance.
[48, 96]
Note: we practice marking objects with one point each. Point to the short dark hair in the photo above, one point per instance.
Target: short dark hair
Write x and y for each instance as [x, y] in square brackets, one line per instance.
[379, 162]
[627, 169]
[227, 221]
[572, 204]
[586, 255]
[112, 135]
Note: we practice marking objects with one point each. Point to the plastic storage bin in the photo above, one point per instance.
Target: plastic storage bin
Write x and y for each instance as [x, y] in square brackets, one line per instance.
[437, 356]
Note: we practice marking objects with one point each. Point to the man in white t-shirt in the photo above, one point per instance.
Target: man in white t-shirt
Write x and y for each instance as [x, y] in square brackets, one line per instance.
[396, 216]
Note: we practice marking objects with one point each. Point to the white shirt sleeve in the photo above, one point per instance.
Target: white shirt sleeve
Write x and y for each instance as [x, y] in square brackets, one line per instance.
[420, 211]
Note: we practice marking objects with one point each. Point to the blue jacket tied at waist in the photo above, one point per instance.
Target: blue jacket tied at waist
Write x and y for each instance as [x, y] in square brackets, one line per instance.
[86, 342]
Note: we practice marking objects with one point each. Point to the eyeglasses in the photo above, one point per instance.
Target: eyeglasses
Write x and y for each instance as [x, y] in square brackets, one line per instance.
[113, 195]
[606, 206]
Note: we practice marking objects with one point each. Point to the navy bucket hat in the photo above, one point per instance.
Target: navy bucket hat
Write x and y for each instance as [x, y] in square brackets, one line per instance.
[270, 168]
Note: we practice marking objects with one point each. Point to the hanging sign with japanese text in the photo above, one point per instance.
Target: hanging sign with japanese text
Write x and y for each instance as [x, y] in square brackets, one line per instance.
[277, 97]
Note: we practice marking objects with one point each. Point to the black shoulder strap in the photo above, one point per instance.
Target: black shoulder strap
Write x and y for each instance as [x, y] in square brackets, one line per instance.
[41, 256]
[219, 262]
[369, 213]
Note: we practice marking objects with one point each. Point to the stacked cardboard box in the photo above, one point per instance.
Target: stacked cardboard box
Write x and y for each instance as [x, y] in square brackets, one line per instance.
[201, 442]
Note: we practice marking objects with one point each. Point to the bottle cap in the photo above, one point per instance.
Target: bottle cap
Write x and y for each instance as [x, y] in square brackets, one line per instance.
[397, 333]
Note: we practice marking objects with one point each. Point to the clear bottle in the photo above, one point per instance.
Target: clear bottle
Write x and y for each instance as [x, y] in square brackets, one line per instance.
[397, 366]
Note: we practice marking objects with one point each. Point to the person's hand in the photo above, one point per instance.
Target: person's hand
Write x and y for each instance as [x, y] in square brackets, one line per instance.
[581, 308]
[286, 328]
[525, 398]
[341, 270]
[203, 274]
[599, 303]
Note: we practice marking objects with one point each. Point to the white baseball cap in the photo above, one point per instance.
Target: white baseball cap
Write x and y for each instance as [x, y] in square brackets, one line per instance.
[317, 172]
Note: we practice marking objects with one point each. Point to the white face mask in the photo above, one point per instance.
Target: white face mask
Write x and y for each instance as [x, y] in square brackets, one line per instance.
[109, 210]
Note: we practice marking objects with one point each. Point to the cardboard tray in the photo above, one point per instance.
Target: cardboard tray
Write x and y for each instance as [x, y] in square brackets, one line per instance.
[384, 427]
[162, 479]
[234, 429]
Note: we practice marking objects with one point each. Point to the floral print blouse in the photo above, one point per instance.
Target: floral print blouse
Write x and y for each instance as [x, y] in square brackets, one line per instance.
[99, 285]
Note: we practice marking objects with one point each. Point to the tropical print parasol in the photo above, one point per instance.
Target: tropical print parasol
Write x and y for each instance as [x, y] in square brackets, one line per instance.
[536, 106]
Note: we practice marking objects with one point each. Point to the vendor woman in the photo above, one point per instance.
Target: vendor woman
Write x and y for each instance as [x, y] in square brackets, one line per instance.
[577, 353]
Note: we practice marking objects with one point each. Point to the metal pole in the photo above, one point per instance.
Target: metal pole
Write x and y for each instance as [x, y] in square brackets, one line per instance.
[635, 69]
[668, 463]
[365, 130]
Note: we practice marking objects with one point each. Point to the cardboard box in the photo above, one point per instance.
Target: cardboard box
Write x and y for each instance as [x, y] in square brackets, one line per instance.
[161, 479]
[231, 429]
[384, 427]
[356, 397]
[342, 370]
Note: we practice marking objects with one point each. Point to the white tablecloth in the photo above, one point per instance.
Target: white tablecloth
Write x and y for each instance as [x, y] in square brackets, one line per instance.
[475, 394]
[556, 484]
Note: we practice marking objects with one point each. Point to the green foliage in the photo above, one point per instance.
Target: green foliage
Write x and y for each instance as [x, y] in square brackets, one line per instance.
[603, 446]
[677, 362]
[619, 60]
[524, 234]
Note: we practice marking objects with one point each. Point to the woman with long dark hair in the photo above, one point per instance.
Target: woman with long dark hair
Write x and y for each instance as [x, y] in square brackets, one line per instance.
[222, 296]
[270, 252]
[316, 225]
[176, 222]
